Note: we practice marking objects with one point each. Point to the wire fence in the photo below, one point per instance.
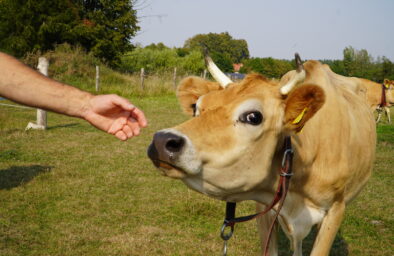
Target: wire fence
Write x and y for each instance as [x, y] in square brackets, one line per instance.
[14, 105]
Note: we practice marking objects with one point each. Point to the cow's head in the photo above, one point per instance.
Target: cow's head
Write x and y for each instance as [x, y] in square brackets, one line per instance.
[389, 86]
[229, 147]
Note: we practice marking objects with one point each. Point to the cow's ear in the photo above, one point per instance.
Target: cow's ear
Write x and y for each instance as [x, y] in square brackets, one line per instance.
[302, 103]
[190, 89]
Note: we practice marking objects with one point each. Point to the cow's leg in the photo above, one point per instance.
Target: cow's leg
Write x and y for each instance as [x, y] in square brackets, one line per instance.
[295, 241]
[263, 224]
[387, 111]
[296, 232]
[379, 116]
[379, 110]
[328, 229]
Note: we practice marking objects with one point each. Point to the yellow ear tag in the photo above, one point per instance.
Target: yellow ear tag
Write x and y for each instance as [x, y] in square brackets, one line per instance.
[386, 85]
[300, 116]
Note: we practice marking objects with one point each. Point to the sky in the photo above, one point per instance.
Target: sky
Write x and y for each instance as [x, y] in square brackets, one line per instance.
[316, 29]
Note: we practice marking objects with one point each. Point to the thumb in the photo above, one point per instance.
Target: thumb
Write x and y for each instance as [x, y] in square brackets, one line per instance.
[122, 102]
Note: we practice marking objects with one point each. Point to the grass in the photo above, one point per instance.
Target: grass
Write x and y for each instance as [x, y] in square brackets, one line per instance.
[73, 190]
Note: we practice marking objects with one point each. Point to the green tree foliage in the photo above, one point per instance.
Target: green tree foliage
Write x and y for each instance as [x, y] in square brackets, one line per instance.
[360, 63]
[387, 69]
[103, 27]
[357, 63]
[159, 58]
[269, 67]
[222, 47]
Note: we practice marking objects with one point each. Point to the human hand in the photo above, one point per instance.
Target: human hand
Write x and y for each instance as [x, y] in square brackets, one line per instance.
[115, 115]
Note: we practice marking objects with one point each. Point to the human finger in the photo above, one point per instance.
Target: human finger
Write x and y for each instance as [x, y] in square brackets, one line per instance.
[122, 102]
[127, 130]
[121, 135]
[117, 125]
[134, 125]
[138, 115]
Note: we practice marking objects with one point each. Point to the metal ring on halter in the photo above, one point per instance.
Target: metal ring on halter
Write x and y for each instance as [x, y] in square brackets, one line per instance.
[287, 152]
[227, 236]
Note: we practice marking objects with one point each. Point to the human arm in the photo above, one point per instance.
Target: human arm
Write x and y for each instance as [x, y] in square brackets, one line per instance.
[109, 113]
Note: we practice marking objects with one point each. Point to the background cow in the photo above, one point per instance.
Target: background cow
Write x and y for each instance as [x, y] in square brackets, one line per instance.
[233, 146]
[376, 99]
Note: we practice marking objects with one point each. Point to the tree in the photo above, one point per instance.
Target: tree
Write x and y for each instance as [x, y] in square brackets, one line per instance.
[348, 60]
[387, 69]
[103, 27]
[222, 47]
[357, 63]
[269, 67]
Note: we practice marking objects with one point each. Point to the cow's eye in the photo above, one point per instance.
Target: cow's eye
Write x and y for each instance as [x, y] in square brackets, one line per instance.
[253, 118]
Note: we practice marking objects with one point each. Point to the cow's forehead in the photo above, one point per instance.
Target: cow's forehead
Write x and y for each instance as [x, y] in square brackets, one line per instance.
[253, 86]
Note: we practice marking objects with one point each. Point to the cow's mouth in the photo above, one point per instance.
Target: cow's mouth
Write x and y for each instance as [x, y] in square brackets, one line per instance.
[169, 169]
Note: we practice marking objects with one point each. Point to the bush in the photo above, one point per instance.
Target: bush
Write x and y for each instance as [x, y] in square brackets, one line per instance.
[269, 67]
[160, 60]
[72, 65]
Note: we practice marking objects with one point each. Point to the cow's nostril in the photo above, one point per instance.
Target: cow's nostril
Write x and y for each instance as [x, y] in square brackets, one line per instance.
[175, 144]
[167, 146]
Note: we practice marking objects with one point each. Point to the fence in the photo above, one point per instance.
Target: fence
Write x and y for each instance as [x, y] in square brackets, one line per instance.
[41, 124]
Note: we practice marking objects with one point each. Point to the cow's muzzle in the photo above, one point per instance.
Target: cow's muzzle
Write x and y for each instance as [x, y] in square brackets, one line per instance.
[165, 149]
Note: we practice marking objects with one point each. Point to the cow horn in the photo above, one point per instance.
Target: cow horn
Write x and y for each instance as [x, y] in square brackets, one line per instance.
[216, 73]
[299, 77]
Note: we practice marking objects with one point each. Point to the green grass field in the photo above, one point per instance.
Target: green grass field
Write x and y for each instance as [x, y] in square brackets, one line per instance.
[73, 190]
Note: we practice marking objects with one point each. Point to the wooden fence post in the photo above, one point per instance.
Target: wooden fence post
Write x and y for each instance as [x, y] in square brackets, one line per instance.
[97, 78]
[142, 78]
[41, 124]
[175, 78]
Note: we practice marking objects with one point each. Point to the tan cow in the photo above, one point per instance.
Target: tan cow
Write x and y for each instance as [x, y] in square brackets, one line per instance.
[376, 99]
[232, 148]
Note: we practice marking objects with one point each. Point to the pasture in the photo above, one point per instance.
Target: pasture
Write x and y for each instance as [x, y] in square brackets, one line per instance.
[73, 190]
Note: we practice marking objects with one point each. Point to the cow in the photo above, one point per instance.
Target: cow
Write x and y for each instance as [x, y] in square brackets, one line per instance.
[231, 148]
[379, 96]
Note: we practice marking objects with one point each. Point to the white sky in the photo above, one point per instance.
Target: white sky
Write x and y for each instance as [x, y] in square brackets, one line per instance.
[317, 29]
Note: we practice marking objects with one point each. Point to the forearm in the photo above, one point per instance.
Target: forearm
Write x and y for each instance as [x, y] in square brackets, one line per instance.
[24, 85]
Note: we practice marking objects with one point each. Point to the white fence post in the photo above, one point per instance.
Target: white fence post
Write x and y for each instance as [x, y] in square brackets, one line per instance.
[142, 78]
[41, 124]
[97, 78]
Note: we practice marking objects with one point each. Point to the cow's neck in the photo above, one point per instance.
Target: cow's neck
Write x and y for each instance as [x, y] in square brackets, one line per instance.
[269, 185]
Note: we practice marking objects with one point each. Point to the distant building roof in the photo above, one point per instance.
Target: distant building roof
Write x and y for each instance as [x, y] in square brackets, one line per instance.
[237, 66]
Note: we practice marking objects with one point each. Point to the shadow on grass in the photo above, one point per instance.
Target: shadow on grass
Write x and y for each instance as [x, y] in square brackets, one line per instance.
[339, 247]
[18, 175]
[62, 126]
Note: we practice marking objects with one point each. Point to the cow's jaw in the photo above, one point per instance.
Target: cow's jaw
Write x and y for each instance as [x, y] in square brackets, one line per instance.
[244, 179]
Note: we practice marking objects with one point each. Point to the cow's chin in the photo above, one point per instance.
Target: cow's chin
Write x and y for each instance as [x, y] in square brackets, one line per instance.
[173, 173]
[170, 170]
